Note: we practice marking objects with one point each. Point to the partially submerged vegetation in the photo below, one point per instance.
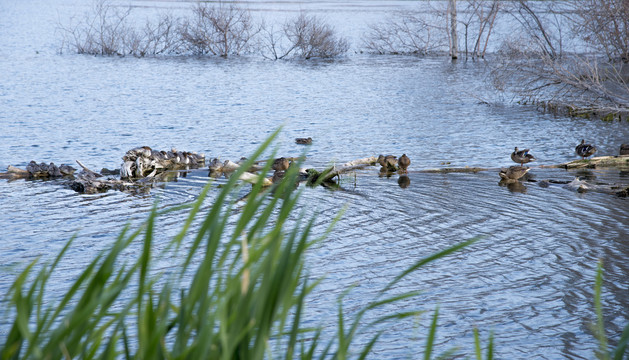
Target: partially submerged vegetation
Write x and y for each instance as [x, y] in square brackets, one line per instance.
[208, 30]
[567, 56]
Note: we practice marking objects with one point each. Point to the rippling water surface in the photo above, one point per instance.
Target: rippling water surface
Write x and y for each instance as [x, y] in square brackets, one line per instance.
[530, 278]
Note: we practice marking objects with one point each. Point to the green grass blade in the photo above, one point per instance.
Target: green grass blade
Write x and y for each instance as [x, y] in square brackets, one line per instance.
[599, 330]
[431, 335]
[477, 348]
[621, 348]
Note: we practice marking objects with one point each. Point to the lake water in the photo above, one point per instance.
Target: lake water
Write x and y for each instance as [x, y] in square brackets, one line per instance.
[529, 280]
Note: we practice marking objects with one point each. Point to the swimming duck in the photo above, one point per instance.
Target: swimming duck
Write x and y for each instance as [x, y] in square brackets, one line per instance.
[280, 164]
[522, 156]
[513, 173]
[584, 150]
[624, 149]
[303, 141]
[404, 162]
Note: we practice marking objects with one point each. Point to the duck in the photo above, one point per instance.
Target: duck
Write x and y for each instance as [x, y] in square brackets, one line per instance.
[303, 141]
[404, 162]
[280, 164]
[513, 173]
[387, 161]
[624, 149]
[584, 150]
[522, 156]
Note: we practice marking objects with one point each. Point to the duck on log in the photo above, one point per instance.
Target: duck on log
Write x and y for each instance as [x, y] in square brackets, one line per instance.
[145, 162]
[38, 171]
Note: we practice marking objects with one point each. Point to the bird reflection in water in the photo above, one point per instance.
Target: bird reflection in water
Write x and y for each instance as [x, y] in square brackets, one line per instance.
[404, 181]
[513, 186]
[586, 175]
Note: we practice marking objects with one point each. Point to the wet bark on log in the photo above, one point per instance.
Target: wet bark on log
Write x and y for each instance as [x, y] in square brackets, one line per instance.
[329, 173]
[595, 162]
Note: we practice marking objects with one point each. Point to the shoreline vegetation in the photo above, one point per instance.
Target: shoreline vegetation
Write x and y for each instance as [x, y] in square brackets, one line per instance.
[564, 56]
[239, 290]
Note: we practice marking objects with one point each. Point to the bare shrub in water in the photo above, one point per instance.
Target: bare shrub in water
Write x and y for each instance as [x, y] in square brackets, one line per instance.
[274, 43]
[108, 30]
[221, 30]
[408, 33]
[559, 65]
[478, 18]
[605, 25]
[305, 36]
[426, 30]
[103, 31]
[155, 38]
[312, 37]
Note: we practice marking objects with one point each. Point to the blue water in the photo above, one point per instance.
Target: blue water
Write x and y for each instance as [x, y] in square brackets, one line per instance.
[529, 280]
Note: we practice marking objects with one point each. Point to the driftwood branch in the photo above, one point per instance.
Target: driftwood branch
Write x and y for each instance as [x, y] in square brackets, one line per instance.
[595, 162]
[331, 172]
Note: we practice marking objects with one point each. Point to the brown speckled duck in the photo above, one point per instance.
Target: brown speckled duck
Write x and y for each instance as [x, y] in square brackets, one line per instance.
[304, 141]
[280, 164]
[404, 162]
[513, 173]
[522, 156]
[584, 150]
[387, 161]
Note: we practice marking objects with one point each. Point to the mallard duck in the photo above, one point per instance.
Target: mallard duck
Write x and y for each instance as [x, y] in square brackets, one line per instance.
[280, 164]
[522, 156]
[304, 141]
[404, 162]
[624, 149]
[513, 173]
[388, 160]
[584, 150]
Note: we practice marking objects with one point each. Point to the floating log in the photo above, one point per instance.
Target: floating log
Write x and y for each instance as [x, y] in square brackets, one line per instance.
[14, 173]
[253, 178]
[595, 162]
[457, 170]
[329, 173]
[38, 171]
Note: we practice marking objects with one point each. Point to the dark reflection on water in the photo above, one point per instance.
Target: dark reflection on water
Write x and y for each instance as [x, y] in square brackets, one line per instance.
[530, 278]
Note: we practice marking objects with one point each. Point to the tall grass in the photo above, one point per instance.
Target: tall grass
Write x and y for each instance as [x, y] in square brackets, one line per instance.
[239, 291]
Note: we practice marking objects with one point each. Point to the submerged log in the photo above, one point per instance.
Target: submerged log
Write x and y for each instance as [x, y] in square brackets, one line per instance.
[14, 173]
[595, 162]
[253, 178]
[329, 173]
[466, 169]
[38, 171]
